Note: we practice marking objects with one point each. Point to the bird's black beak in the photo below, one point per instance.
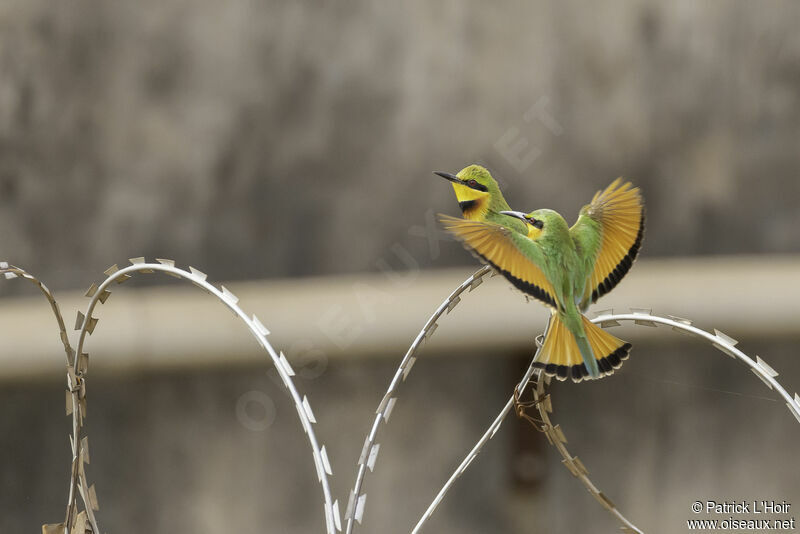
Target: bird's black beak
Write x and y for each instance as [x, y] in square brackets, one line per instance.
[448, 176]
[518, 214]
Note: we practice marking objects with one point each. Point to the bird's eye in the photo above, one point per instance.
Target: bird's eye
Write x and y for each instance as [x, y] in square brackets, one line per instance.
[472, 183]
[536, 223]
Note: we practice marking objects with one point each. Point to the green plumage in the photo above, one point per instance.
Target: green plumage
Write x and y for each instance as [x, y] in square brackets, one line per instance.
[485, 198]
[566, 265]
[566, 268]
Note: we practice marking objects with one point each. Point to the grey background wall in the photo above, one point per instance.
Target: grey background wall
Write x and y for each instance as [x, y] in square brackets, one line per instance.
[281, 139]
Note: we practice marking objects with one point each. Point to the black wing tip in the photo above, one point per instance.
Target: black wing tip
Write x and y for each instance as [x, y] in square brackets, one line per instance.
[526, 287]
[622, 268]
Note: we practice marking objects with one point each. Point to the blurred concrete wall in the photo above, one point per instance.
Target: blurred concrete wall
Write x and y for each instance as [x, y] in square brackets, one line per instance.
[171, 453]
[210, 131]
[266, 139]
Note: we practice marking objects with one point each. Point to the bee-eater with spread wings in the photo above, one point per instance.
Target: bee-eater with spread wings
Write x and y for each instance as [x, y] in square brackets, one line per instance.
[480, 199]
[568, 269]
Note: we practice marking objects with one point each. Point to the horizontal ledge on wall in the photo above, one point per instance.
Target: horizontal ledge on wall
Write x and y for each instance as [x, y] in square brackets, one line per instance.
[378, 315]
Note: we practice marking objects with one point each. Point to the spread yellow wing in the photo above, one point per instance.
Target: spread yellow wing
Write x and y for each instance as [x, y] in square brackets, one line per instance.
[509, 252]
[610, 230]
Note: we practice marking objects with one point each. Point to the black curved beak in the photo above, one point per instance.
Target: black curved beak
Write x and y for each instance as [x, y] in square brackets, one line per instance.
[448, 176]
[517, 214]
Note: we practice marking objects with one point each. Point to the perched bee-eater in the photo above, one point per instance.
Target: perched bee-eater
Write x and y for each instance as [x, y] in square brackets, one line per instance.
[480, 199]
[567, 269]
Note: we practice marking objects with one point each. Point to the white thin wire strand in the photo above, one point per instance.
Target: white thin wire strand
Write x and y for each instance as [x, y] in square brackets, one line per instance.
[70, 357]
[260, 337]
[447, 305]
[792, 403]
[462, 467]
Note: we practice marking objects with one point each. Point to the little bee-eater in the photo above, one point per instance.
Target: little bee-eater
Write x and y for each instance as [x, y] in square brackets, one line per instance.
[568, 269]
[480, 199]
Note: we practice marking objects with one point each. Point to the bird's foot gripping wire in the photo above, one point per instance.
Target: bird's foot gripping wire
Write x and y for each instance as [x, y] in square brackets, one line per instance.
[521, 406]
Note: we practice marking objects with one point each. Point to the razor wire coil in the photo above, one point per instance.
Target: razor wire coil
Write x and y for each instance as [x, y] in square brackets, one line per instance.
[79, 521]
[77, 367]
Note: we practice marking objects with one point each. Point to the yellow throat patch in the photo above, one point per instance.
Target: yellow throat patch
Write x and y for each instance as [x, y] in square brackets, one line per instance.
[533, 232]
[473, 203]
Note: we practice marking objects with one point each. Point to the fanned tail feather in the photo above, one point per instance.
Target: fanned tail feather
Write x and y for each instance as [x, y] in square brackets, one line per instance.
[561, 357]
[609, 350]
